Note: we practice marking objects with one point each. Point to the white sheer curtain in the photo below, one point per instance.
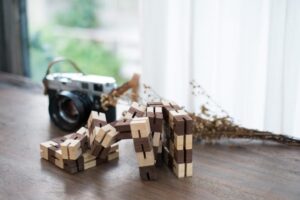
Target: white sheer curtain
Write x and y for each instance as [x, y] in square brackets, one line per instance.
[246, 54]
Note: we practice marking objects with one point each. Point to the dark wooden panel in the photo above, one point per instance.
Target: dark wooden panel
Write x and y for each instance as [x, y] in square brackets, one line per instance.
[228, 170]
[14, 51]
[2, 39]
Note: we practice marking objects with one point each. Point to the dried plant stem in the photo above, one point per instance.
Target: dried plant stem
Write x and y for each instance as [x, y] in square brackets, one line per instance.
[215, 130]
[250, 134]
[209, 124]
[112, 98]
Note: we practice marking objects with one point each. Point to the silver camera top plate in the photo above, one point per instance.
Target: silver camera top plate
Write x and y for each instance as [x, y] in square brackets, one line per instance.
[77, 81]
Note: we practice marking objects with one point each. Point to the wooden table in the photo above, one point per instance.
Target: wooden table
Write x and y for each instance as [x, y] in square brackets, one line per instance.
[227, 170]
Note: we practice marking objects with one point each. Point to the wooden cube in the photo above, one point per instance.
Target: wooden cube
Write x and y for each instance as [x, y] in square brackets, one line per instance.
[179, 141]
[189, 141]
[123, 125]
[140, 127]
[180, 122]
[175, 119]
[155, 104]
[74, 166]
[110, 135]
[123, 135]
[113, 155]
[71, 149]
[89, 160]
[44, 149]
[98, 135]
[156, 139]
[183, 169]
[142, 144]
[183, 141]
[179, 169]
[167, 107]
[60, 140]
[155, 118]
[179, 156]
[128, 116]
[104, 153]
[148, 173]
[90, 164]
[58, 159]
[138, 107]
[82, 131]
[135, 110]
[96, 149]
[183, 156]
[189, 169]
[96, 119]
[114, 148]
[145, 158]
[84, 144]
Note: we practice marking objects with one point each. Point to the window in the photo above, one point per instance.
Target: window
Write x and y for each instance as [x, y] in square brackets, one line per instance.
[98, 87]
[100, 36]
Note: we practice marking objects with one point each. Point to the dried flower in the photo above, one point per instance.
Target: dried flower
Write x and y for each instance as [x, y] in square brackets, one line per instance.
[212, 123]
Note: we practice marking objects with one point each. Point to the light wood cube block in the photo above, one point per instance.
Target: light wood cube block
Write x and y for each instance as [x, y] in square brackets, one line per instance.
[90, 164]
[82, 131]
[109, 133]
[178, 141]
[139, 107]
[145, 158]
[44, 148]
[113, 155]
[95, 115]
[58, 159]
[183, 169]
[140, 127]
[71, 149]
[189, 141]
[156, 139]
[98, 135]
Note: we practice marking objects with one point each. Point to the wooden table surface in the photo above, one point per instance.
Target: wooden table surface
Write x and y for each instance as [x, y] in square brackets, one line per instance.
[227, 170]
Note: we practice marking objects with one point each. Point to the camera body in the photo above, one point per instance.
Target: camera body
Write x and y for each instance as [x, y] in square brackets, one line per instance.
[72, 96]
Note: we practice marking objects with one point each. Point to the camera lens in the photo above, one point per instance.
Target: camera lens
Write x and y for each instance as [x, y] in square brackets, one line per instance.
[69, 110]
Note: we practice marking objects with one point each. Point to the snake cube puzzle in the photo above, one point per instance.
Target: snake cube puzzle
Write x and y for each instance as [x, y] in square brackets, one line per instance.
[161, 134]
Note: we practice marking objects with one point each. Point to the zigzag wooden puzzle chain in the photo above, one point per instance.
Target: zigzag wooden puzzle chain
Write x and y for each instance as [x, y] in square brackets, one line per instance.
[161, 133]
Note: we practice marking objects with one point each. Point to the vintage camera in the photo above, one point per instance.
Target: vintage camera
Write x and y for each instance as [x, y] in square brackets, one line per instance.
[72, 96]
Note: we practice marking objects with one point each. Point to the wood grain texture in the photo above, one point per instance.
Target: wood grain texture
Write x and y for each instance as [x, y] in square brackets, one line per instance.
[228, 170]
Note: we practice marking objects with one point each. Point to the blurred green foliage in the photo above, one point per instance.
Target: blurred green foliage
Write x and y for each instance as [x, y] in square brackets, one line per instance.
[80, 14]
[90, 56]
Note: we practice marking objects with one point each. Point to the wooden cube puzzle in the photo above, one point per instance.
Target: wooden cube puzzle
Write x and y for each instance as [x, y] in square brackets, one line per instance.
[161, 133]
[95, 120]
[75, 152]
[135, 110]
[142, 140]
[123, 128]
[179, 132]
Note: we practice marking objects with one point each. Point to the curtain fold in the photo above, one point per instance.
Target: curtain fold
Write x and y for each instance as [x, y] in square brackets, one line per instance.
[244, 53]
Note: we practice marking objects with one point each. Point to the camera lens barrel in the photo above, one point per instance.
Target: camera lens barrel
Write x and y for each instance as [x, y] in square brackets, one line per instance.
[69, 110]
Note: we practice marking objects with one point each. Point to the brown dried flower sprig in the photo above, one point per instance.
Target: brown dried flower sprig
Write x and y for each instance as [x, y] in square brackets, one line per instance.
[211, 123]
[121, 92]
[215, 124]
